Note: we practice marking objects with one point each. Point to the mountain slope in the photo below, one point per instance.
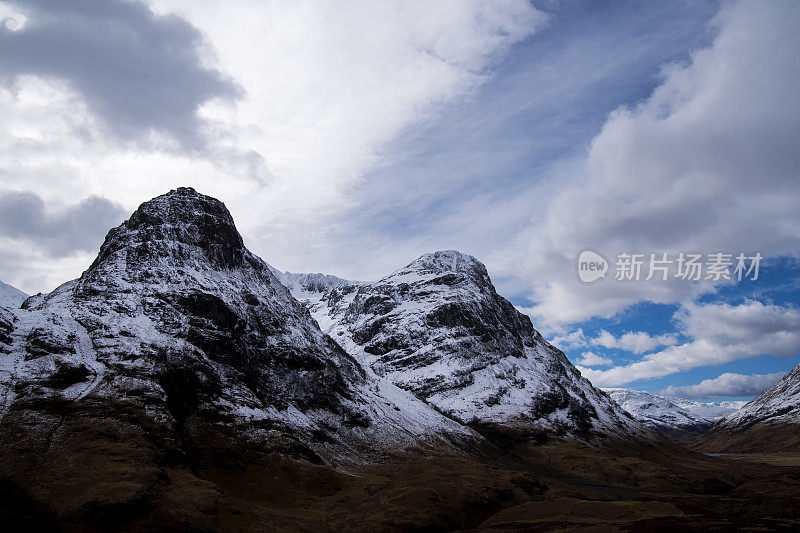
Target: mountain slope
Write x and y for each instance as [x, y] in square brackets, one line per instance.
[771, 422]
[439, 329]
[675, 418]
[11, 296]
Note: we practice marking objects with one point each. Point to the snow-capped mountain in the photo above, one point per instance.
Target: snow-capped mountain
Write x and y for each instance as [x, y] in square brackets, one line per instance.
[711, 411]
[771, 422]
[676, 418]
[438, 329]
[11, 296]
[655, 411]
[177, 326]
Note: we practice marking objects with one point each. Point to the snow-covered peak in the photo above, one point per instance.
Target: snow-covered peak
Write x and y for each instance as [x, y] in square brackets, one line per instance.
[446, 265]
[446, 261]
[170, 224]
[11, 296]
[666, 412]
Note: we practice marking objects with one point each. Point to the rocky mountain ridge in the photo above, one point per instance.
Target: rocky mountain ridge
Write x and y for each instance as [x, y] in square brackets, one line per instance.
[178, 384]
[309, 286]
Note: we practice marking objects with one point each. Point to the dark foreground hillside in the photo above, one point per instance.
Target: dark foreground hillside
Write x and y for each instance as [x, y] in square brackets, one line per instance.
[95, 475]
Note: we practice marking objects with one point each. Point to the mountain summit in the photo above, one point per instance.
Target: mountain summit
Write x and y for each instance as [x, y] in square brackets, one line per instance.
[447, 261]
[182, 221]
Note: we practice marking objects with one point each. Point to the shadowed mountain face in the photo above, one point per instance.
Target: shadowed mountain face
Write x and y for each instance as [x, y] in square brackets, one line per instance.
[180, 263]
[769, 423]
[176, 306]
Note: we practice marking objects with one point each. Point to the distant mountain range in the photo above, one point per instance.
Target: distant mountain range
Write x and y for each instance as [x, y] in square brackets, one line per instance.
[175, 307]
[678, 419]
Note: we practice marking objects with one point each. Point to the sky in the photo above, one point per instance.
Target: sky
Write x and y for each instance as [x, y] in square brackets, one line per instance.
[351, 137]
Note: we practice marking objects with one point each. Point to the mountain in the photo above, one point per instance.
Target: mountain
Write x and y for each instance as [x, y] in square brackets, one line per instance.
[438, 328]
[11, 296]
[675, 418]
[769, 423]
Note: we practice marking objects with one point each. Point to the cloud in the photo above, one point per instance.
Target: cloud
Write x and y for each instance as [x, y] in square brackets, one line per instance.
[708, 162]
[324, 87]
[592, 359]
[720, 333]
[727, 384]
[470, 179]
[60, 231]
[136, 71]
[32, 270]
[637, 342]
[571, 340]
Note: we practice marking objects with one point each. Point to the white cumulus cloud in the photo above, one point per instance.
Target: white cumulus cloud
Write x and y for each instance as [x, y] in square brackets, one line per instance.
[288, 105]
[592, 359]
[637, 342]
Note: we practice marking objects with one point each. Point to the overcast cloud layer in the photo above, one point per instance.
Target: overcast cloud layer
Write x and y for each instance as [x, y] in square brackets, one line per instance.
[291, 107]
[74, 227]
